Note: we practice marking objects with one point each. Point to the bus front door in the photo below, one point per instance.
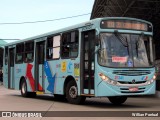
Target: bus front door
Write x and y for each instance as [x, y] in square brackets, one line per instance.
[39, 66]
[87, 62]
[11, 68]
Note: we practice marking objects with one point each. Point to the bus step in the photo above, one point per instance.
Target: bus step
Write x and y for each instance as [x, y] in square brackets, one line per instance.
[39, 92]
[90, 95]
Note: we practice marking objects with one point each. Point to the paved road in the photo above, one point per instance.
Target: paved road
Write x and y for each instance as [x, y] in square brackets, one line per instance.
[11, 100]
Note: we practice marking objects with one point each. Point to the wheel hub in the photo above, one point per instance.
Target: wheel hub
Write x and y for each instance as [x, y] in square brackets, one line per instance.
[73, 92]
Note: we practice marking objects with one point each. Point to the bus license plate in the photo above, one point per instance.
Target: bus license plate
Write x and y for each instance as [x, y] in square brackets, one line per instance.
[133, 89]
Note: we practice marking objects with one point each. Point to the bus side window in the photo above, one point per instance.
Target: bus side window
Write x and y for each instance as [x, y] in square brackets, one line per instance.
[49, 54]
[53, 47]
[74, 45]
[29, 51]
[19, 53]
[70, 44]
[6, 55]
[56, 47]
[65, 46]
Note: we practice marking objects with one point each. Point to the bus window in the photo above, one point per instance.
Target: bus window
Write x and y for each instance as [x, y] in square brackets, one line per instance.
[29, 52]
[6, 55]
[70, 45]
[53, 47]
[19, 53]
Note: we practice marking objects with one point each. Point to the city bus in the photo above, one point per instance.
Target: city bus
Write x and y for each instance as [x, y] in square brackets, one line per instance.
[104, 57]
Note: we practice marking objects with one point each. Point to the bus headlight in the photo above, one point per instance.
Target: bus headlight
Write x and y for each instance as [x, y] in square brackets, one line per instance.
[152, 80]
[154, 77]
[107, 79]
[103, 77]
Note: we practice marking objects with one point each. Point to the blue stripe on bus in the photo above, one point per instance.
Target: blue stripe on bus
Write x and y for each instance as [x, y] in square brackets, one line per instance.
[51, 80]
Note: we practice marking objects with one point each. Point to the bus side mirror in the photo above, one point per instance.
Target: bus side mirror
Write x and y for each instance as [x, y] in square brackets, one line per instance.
[99, 51]
[97, 40]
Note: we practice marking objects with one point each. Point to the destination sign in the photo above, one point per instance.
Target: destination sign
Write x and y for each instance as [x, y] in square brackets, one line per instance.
[125, 24]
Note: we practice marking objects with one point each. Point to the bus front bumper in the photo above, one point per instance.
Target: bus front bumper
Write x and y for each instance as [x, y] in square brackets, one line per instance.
[104, 89]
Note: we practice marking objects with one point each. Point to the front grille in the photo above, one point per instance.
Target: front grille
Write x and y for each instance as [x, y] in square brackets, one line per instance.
[132, 91]
[128, 89]
[136, 82]
[131, 72]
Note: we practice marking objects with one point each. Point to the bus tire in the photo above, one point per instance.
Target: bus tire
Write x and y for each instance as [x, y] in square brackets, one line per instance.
[72, 94]
[24, 91]
[117, 100]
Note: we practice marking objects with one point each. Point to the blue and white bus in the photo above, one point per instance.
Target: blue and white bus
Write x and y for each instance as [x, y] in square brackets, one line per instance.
[105, 57]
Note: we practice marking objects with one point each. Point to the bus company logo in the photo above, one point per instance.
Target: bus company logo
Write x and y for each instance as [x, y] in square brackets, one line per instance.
[6, 114]
[119, 77]
[133, 81]
[145, 78]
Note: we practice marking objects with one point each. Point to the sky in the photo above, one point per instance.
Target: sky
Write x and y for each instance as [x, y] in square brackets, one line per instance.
[15, 11]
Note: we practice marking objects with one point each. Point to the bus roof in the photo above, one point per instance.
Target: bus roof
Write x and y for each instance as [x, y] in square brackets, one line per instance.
[72, 28]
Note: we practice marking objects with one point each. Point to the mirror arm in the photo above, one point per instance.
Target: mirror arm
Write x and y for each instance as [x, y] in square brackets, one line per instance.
[98, 48]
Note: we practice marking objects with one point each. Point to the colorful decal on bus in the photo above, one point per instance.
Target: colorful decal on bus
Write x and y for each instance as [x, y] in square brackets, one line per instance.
[58, 65]
[29, 76]
[69, 70]
[51, 80]
[63, 66]
[119, 77]
[76, 69]
[145, 78]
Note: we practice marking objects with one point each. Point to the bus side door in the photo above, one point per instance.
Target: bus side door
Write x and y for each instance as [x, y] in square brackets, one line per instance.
[87, 62]
[39, 66]
[11, 62]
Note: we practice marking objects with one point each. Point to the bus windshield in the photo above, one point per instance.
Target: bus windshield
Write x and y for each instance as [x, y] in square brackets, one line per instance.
[125, 50]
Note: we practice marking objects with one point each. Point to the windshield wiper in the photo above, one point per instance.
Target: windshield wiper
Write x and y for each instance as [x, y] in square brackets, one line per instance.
[121, 39]
[138, 43]
[137, 47]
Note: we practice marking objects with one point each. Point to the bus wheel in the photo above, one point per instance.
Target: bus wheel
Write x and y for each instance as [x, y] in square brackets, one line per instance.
[72, 94]
[118, 100]
[24, 92]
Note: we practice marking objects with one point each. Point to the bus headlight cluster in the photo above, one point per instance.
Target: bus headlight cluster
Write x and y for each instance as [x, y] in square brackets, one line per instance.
[107, 79]
[154, 77]
[152, 80]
